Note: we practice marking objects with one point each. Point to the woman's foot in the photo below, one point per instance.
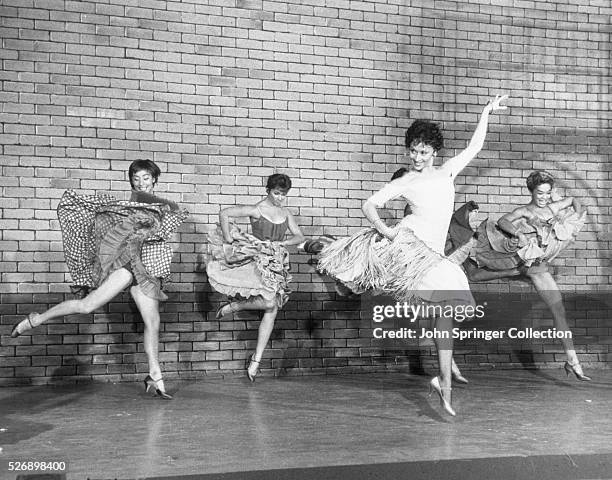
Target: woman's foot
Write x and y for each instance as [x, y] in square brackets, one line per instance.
[158, 386]
[224, 310]
[23, 326]
[252, 368]
[576, 369]
[457, 375]
[444, 393]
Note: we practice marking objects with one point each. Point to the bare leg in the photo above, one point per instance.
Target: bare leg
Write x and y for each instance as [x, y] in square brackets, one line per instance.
[476, 274]
[265, 329]
[253, 303]
[444, 346]
[456, 373]
[270, 310]
[149, 310]
[549, 291]
[114, 284]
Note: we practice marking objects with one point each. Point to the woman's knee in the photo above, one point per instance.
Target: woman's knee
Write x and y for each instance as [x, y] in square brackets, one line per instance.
[85, 306]
[270, 306]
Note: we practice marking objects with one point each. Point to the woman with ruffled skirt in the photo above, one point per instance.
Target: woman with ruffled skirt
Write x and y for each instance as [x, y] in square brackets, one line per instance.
[407, 261]
[526, 240]
[111, 244]
[253, 269]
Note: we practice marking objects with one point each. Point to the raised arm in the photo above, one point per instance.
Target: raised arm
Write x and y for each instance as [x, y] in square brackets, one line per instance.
[460, 161]
[562, 204]
[231, 212]
[297, 236]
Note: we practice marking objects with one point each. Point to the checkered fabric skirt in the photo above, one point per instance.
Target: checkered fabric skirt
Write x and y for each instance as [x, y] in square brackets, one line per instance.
[102, 234]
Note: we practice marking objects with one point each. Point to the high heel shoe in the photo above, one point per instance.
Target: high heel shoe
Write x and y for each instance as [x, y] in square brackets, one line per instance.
[576, 369]
[457, 375]
[252, 367]
[434, 384]
[16, 331]
[150, 383]
[219, 315]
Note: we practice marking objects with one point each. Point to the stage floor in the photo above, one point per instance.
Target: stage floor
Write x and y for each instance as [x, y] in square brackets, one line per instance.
[230, 425]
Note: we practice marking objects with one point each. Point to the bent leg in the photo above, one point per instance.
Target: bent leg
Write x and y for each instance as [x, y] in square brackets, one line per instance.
[265, 327]
[476, 274]
[149, 311]
[549, 292]
[114, 284]
[253, 303]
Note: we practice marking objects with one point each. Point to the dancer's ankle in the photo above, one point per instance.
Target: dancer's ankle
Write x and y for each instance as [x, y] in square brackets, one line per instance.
[572, 357]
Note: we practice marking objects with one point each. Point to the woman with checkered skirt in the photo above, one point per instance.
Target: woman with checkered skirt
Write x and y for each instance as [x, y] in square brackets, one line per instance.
[110, 245]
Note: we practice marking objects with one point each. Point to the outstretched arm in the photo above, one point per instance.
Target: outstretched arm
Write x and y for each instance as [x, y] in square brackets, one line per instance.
[231, 212]
[459, 162]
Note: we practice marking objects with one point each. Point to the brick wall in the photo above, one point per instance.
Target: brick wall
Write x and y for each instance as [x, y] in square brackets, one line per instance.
[222, 93]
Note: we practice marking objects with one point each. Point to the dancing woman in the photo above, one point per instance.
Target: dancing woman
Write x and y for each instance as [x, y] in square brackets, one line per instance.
[456, 373]
[110, 245]
[253, 269]
[524, 241]
[409, 260]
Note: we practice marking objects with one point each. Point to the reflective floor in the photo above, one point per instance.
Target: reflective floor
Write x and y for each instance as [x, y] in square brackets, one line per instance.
[230, 425]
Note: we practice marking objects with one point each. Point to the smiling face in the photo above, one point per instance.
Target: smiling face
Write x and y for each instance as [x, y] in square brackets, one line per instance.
[143, 181]
[421, 155]
[541, 195]
[277, 196]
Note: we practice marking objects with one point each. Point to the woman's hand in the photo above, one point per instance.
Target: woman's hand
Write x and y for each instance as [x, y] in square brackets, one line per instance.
[522, 239]
[495, 104]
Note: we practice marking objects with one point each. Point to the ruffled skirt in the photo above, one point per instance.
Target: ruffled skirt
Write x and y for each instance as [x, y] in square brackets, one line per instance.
[248, 267]
[497, 251]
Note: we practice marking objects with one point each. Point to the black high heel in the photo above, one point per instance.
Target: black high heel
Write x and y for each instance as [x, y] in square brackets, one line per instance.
[150, 383]
[576, 369]
[15, 331]
[251, 361]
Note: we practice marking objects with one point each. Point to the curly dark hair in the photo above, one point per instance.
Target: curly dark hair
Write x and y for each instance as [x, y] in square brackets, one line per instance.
[539, 177]
[278, 180]
[147, 165]
[425, 132]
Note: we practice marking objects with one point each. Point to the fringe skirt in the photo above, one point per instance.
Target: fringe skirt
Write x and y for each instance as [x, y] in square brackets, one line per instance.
[405, 268]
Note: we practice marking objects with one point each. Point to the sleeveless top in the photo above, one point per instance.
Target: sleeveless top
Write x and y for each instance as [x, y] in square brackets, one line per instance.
[264, 229]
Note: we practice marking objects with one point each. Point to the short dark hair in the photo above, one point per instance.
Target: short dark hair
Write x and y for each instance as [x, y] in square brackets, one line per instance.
[539, 177]
[425, 132]
[400, 172]
[280, 181]
[148, 165]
